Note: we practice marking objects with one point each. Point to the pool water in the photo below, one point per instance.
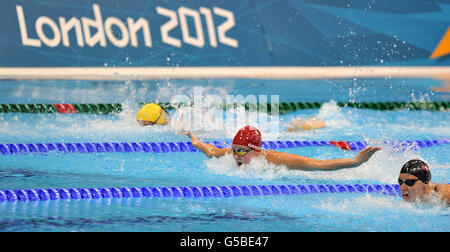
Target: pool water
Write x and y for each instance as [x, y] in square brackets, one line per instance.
[316, 212]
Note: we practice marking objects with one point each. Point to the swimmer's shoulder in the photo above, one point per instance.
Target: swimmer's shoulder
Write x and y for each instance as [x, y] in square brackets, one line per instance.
[444, 192]
[442, 187]
[224, 151]
[271, 154]
[264, 153]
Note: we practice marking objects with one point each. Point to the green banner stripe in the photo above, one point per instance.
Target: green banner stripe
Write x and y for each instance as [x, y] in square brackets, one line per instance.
[283, 107]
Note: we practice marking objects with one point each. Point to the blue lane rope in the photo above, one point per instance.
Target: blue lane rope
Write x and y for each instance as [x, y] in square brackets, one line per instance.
[166, 147]
[189, 192]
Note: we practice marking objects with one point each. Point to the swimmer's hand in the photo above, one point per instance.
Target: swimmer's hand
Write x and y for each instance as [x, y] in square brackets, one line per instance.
[364, 155]
[207, 149]
[193, 137]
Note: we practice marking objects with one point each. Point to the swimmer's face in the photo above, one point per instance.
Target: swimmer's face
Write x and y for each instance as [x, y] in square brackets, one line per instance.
[145, 123]
[413, 192]
[242, 154]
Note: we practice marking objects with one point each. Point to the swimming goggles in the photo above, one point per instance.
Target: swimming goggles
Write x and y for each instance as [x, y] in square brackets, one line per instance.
[240, 152]
[409, 182]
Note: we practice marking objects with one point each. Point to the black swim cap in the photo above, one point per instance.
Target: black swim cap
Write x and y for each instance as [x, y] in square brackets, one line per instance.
[417, 168]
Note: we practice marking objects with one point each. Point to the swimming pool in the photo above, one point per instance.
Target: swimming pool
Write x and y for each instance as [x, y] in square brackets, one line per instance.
[312, 212]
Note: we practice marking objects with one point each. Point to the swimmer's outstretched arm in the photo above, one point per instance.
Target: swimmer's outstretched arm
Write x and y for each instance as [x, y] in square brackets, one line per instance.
[208, 149]
[297, 162]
